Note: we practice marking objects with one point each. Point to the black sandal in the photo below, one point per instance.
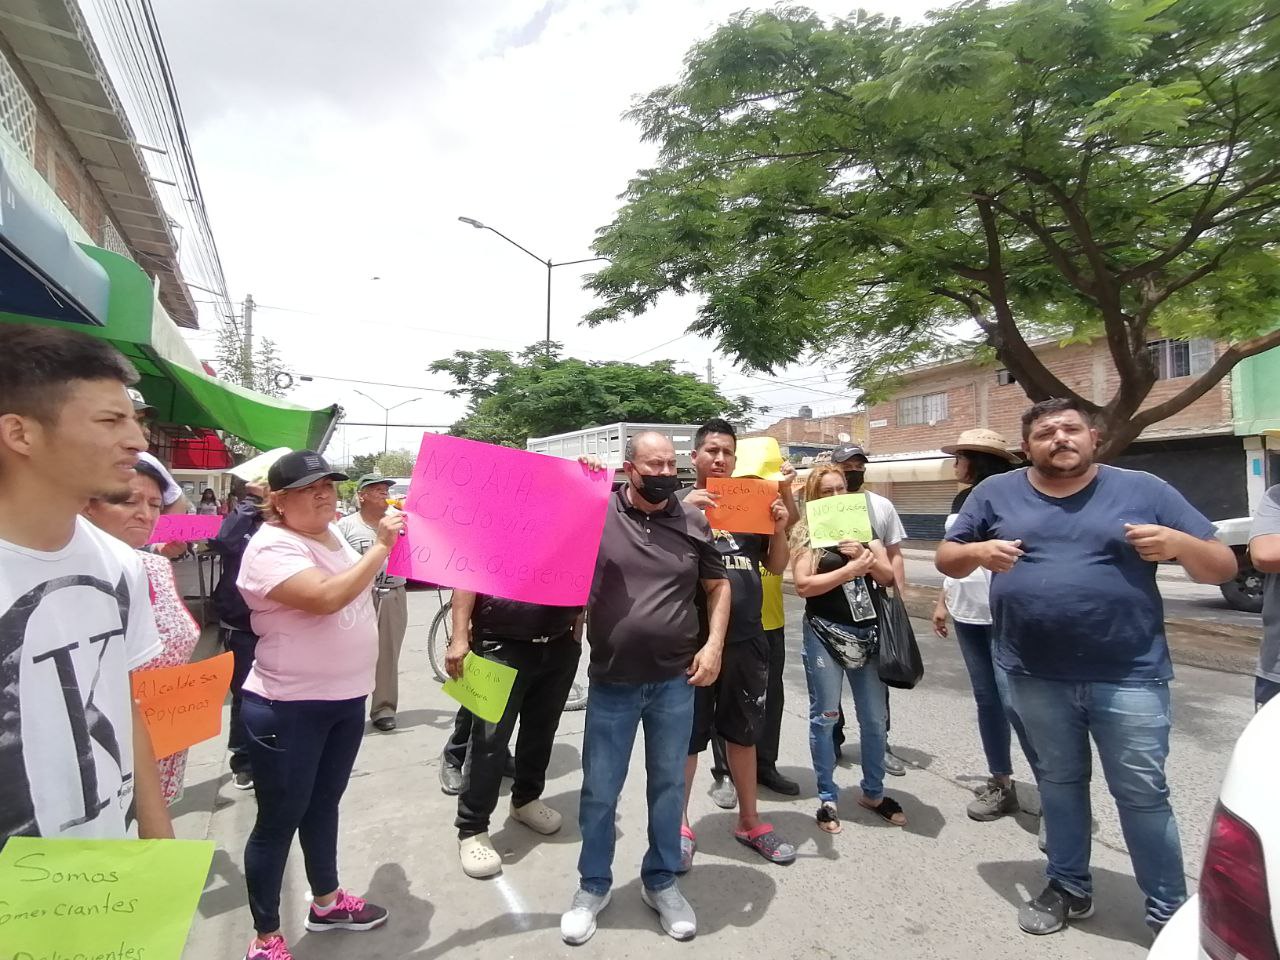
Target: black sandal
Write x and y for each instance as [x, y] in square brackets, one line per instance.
[828, 822]
[886, 810]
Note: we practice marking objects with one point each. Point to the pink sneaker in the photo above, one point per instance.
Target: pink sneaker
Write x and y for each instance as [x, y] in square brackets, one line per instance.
[273, 948]
[346, 913]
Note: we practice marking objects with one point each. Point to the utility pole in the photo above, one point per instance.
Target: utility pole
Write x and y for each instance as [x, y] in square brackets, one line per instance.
[246, 373]
[710, 378]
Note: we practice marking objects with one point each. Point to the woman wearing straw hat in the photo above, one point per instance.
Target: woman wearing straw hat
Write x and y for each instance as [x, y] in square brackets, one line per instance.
[980, 454]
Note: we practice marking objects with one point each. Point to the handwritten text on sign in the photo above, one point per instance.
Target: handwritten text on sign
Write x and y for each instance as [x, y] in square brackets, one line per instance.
[833, 519]
[184, 526]
[744, 505]
[182, 705]
[505, 522]
[113, 899]
[484, 687]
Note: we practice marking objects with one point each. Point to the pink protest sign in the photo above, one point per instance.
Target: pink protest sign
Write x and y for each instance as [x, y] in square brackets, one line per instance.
[184, 526]
[505, 522]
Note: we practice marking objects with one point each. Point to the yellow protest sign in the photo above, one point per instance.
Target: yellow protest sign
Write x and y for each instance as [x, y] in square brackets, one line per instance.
[113, 899]
[759, 457]
[844, 517]
[484, 687]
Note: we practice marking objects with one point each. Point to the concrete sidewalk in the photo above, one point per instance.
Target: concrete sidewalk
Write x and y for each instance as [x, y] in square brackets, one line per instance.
[943, 887]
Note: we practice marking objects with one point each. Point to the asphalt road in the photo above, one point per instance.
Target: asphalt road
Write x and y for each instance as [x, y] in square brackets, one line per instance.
[943, 887]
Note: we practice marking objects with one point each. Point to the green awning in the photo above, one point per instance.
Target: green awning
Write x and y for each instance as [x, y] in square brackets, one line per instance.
[172, 379]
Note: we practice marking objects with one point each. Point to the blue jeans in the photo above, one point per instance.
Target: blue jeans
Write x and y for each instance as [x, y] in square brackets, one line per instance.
[870, 698]
[302, 752]
[614, 712]
[1130, 725]
[991, 694]
[1263, 691]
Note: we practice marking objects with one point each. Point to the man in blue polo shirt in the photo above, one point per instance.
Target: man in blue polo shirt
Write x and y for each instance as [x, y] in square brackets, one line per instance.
[1079, 627]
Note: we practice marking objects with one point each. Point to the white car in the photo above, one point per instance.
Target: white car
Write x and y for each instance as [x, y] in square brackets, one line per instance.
[1235, 913]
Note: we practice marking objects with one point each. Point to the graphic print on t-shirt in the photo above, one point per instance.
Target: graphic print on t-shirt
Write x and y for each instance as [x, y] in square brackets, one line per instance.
[56, 689]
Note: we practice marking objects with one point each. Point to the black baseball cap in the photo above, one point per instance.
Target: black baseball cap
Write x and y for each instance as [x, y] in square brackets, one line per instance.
[140, 404]
[300, 469]
[848, 451]
[369, 479]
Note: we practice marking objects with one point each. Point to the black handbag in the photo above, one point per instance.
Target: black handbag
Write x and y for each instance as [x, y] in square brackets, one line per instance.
[851, 646]
[900, 663]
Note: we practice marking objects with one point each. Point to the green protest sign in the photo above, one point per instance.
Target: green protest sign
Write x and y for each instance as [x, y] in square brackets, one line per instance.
[108, 899]
[832, 519]
[484, 687]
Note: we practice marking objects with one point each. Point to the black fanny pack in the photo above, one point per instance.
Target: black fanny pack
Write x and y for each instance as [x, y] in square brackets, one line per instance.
[852, 646]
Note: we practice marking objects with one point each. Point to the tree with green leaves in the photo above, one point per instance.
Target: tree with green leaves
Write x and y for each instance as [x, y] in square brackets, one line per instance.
[267, 373]
[884, 194]
[395, 463]
[535, 393]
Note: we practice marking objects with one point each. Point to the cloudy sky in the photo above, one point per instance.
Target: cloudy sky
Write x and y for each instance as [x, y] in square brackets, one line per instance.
[337, 144]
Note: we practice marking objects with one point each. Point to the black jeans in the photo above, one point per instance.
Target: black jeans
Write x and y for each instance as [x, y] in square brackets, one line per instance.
[242, 646]
[544, 677]
[302, 753]
[775, 699]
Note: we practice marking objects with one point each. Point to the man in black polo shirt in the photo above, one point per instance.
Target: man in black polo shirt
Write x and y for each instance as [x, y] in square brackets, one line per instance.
[646, 659]
[734, 706]
[543, 645]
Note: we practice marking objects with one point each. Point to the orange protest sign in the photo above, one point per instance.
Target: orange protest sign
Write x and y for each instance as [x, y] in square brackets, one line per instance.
[743, 506]
[182, 705]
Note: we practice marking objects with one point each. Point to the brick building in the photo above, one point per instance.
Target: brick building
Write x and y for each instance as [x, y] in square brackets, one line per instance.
[62, 126]
[1198, 450]
[808, 436]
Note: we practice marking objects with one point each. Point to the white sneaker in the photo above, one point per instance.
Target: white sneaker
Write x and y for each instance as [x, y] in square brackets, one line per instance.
[537, 816]
[674, 911]
[478, 857]
[579, 924]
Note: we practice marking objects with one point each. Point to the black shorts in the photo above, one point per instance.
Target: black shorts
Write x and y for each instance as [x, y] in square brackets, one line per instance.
[733, 706]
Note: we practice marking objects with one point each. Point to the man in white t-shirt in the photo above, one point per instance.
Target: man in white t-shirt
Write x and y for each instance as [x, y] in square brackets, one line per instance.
[389, 598]
[887, 526]
[75, 608]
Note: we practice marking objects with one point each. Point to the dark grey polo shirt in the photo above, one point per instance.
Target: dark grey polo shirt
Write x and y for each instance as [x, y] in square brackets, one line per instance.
[642, 623]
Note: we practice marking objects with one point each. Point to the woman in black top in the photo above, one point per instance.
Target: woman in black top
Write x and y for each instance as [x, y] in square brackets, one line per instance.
[840, 640]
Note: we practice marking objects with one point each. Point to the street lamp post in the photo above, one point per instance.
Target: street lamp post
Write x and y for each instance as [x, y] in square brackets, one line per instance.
[386, 411]
[546, 263]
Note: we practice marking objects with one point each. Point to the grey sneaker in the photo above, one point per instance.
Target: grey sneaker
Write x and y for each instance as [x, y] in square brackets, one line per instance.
[450, 779]
[994, 801]
[893, 766]
[724, 794]
[1049, 912]
[673, 910]
[579, 923]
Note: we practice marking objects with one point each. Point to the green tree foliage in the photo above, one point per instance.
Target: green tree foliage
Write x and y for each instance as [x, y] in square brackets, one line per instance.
[529, 394]
[886, 194]
[267, 373]
[395, 463]
[362, 463]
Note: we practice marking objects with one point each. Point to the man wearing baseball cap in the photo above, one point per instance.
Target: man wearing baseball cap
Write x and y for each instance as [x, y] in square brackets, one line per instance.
[888, 529]
[389, 598]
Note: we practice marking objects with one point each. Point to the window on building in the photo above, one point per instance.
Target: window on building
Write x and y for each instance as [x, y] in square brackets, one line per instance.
[1004, 377]
[927, 408]
[17, 112]
[1180, 358]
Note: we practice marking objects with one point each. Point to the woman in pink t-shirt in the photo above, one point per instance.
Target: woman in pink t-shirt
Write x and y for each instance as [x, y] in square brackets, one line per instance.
[311, 605]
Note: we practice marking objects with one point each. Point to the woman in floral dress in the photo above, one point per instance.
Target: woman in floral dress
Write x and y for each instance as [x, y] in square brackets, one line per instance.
[131, 518]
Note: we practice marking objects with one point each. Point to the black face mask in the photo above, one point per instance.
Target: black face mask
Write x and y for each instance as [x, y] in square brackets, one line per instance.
[853, 480]
[656, 489]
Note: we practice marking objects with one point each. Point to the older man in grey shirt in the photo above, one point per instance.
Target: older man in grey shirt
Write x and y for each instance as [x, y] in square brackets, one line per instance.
[646, 659]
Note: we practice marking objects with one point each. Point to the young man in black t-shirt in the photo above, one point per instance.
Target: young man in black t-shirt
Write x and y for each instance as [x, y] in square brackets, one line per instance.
[734, 706]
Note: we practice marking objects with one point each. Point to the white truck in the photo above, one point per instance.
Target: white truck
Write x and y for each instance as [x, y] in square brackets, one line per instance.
[609, 443]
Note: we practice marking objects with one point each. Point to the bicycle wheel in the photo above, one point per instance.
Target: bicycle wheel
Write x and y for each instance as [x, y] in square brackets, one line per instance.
[438, 639]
